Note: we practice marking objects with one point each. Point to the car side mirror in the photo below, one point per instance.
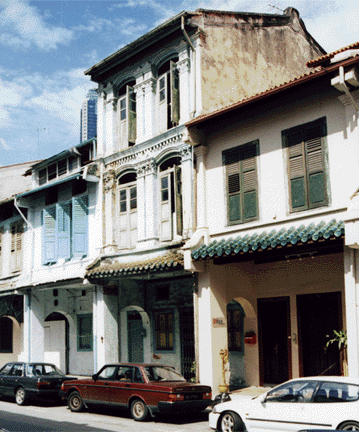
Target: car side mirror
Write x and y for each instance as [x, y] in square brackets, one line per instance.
[262, 398]
[94, 377]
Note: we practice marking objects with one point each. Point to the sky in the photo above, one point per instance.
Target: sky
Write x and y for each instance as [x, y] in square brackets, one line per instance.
[46, 45]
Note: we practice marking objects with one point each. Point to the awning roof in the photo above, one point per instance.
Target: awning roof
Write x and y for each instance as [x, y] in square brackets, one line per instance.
[275, 239]
[51, 184]
[168, 262]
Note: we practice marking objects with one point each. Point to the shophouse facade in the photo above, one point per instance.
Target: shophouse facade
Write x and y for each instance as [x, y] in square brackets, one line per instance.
[276, 273]
[147, 91]
[104, 277]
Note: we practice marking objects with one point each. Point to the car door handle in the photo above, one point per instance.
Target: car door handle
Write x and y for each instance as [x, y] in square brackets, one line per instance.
[127, 385]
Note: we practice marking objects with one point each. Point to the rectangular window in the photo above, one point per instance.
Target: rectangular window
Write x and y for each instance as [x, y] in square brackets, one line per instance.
[164, 331]
[128, 217]
[242, 183]
[17, 232]
[65, 230]
[305, 147]
[84, 332]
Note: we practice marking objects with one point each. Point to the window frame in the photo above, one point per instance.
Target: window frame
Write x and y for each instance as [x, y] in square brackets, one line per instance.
[78, 335]
[230, 157]
[309, 166]
[169, 331]
[169, 97]
[16, 245]
[70, 241]
[127, 215]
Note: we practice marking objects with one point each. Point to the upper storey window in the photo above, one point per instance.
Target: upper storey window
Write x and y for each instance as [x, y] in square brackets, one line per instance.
[242, 183]
[126, 106]
[127, 203]
[168, 95]
[171, 199]
[307, 177]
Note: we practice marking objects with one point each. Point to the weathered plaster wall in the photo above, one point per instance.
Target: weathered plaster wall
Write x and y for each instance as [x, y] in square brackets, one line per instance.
[242, 57]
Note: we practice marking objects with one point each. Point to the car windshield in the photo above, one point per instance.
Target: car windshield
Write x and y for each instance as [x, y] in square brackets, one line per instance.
[163, 373]
[35, 369]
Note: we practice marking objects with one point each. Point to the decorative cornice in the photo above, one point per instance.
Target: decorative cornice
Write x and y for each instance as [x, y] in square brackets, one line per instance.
[149, 167]
[144, 154]
[186, 152]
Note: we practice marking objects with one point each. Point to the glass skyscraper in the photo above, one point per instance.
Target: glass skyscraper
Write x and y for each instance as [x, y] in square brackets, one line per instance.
[88, 127]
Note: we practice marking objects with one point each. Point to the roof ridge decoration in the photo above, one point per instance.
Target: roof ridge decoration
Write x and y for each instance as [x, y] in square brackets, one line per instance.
[272, 240]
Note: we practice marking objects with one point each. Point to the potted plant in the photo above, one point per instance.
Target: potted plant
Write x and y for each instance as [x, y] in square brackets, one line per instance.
[340, 338]
[224, 387]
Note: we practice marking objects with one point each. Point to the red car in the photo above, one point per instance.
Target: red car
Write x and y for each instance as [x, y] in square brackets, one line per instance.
[143, 388]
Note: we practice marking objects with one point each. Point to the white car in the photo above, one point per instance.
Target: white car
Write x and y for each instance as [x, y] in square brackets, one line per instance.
[318, 403]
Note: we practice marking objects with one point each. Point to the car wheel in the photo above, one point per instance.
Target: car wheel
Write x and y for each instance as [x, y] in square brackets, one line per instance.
[139, 410]
[231, 422]
[20, 396]
[75, 402]
[349, 426]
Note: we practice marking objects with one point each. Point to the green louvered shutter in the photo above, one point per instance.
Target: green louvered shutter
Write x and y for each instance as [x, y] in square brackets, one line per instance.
[63, 219]
[250, 187]
[49, 234]
[79, 226]
[233, 187]
[315, 166]
[297, 170]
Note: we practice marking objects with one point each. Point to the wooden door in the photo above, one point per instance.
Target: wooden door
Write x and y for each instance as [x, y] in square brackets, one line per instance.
[318, 316]
[274, 340]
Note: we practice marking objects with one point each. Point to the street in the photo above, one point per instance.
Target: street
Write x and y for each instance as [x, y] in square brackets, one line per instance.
[42, 417]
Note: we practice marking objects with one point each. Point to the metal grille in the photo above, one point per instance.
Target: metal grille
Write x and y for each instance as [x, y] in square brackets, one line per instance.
[187, 342]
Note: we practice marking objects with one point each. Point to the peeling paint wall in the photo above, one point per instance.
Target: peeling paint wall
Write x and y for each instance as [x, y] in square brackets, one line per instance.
[243, 56]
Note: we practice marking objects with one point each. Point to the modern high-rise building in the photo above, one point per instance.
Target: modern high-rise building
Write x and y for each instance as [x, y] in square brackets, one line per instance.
[88, 127]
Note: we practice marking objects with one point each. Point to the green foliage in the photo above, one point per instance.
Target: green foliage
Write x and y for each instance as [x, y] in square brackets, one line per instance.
[340, 337]
[193, 371]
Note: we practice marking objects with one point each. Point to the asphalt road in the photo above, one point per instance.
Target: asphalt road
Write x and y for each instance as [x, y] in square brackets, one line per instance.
[42, 417]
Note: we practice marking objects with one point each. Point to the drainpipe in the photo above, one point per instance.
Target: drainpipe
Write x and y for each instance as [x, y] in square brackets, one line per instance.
[194, 65]
[345, 89]
[29, 325]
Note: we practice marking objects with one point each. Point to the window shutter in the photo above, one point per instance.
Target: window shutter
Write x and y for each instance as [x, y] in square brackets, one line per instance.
[315, 166]
[133, 216]
[63, 219]
[49, 237]
[162, 109]
[123, 219]
[178, 202]
[250, 186]
[233, 187]
[79, 226]
[175, 101]
[296, 170]
[131, 115]
[166, 211]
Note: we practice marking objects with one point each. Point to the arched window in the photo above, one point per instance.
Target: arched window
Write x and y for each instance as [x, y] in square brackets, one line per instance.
[126, 108]
[127, 210]
[6, 335]
[235, 315]
[171, 198]
[168, 95]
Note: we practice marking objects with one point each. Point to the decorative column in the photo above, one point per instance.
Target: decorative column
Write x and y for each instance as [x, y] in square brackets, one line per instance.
[110, 120]
[109, 212]
[101, 131]
[200, 152]
[187, 191]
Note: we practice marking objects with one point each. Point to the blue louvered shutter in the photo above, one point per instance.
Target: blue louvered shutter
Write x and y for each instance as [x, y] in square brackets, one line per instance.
[63, 219]
[79, 226]
[49, 234]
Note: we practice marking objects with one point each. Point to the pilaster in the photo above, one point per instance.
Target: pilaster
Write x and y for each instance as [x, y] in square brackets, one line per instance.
[109, 211]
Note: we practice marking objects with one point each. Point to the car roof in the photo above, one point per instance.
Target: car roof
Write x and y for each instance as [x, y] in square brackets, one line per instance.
[327, 378]
[138, 364]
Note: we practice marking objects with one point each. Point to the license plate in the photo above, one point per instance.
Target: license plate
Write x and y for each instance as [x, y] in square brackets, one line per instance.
[191, 396]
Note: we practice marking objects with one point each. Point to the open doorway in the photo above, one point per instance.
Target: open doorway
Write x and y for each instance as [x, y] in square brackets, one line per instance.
[56, 341]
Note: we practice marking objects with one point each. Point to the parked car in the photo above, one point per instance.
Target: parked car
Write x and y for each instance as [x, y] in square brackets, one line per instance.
[301, 404]
[30, 380]
[143, 388]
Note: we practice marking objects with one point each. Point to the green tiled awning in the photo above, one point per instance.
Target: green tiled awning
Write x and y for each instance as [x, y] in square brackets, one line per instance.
[168, 262]
[275, 239]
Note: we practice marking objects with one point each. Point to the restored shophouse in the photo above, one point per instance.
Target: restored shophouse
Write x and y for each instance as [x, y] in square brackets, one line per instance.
[103, 276]
[277, 173]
